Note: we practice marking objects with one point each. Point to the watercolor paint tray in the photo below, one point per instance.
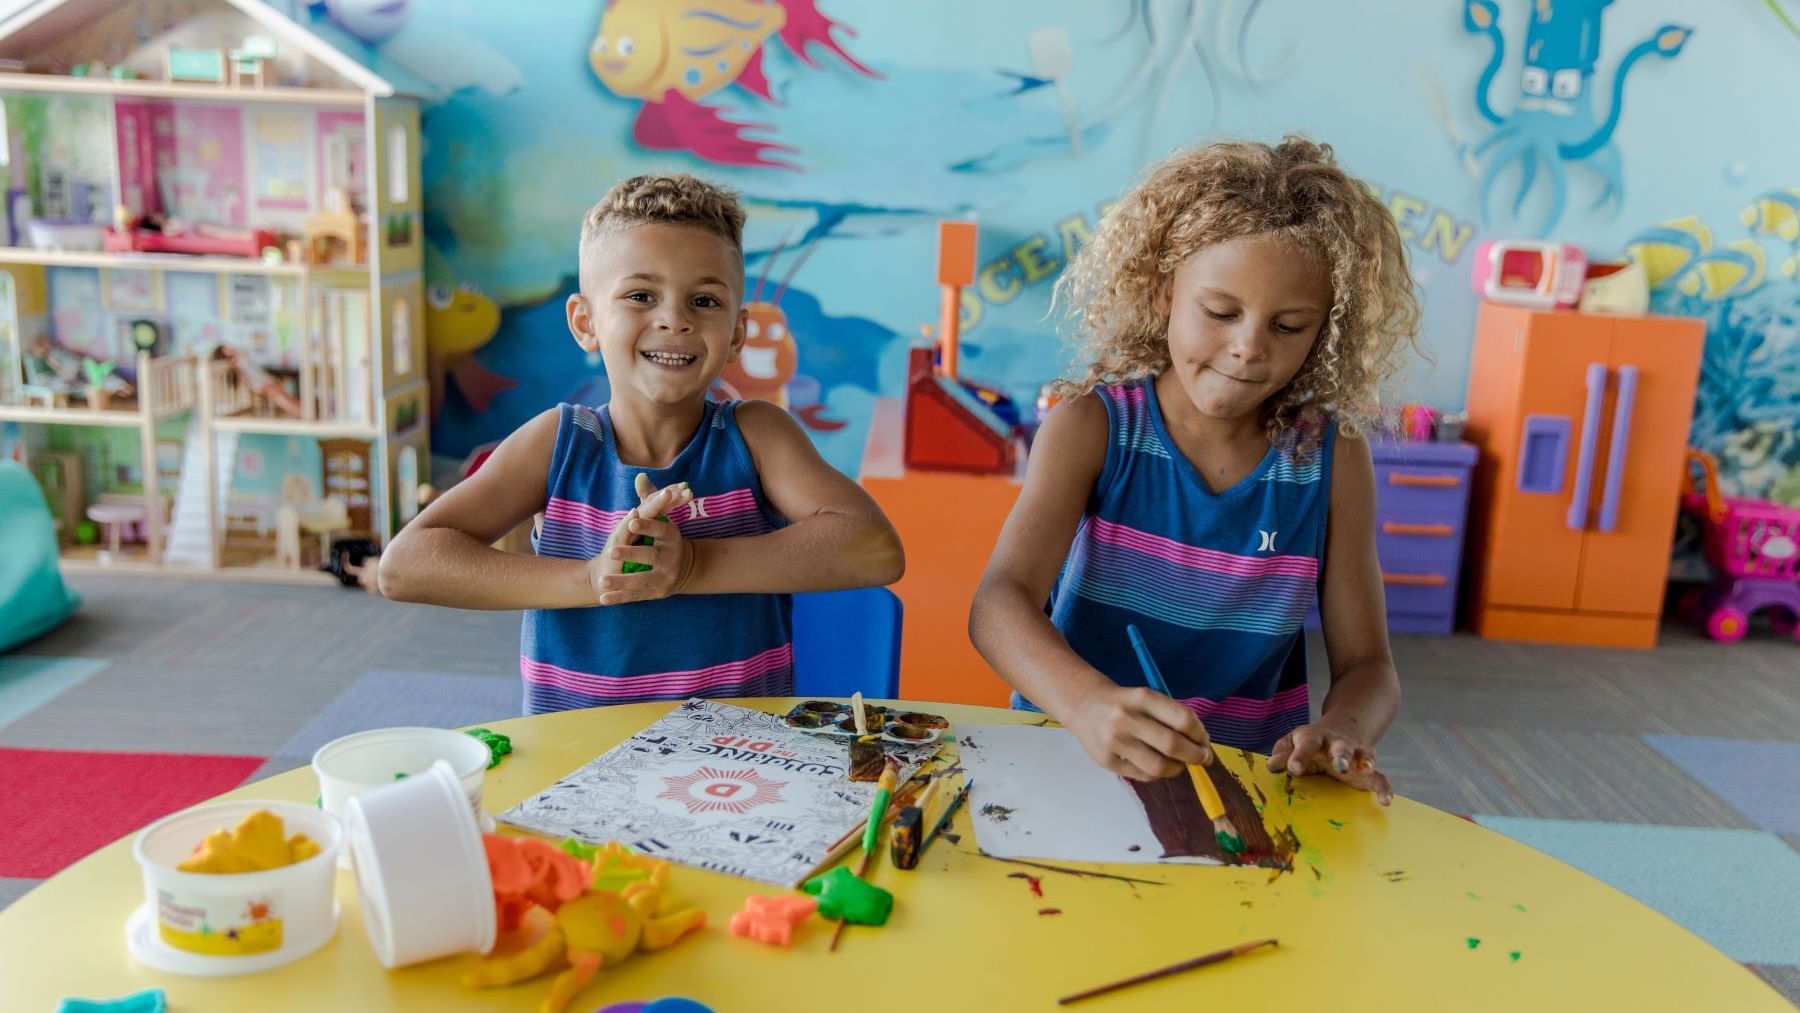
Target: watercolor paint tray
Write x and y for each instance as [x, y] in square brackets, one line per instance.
[906, 728]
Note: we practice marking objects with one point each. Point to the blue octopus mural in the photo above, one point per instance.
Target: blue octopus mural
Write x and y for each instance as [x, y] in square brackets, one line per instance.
[1552, 124]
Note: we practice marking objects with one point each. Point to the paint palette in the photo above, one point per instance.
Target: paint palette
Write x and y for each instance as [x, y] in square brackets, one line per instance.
[907, 728]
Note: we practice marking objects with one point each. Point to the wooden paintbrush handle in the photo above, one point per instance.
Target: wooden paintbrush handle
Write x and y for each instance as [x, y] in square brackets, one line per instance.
[1208, 792]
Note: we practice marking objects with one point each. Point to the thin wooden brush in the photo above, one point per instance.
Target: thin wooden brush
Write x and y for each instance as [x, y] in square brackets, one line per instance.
[1163, 972]
[1224, 831]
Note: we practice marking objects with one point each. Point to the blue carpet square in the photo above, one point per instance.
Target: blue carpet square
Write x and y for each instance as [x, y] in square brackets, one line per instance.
[1761, 779]
[29, 681]
[1737, 889]
[386, 698]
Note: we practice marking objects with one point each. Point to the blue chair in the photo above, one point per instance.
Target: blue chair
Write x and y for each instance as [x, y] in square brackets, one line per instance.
[847, 642]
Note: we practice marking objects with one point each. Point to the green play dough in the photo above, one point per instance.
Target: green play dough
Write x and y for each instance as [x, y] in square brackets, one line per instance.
[630, 567]
[842, 895]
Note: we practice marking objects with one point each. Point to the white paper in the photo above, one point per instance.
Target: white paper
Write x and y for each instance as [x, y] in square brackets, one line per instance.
[716, 787]
[1038, 795]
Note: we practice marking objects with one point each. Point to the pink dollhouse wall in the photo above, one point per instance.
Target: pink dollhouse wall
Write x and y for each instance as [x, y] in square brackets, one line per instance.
[196, 155]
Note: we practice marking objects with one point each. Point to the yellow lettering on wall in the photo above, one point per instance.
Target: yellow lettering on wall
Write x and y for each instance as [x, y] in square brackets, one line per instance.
[1403, 207]
[991, 286]
[1074, 233]
[1029, 255]
[971, 310]
[1447, 235]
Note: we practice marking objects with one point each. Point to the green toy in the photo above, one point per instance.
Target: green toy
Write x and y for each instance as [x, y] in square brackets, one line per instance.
[499, 746]
[645, 489]
[97, 371]
[87, 533]
[842, 895]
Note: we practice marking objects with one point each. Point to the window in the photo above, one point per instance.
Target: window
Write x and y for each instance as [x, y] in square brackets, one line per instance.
[402, 337]
[399, 168]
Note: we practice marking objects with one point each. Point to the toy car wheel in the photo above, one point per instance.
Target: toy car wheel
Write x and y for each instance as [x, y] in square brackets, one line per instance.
[1727, 625]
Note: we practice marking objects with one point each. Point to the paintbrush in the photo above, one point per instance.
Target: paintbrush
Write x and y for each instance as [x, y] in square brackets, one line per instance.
[884, 793]
[1163, 972]
[1224, 831]
[943, 821]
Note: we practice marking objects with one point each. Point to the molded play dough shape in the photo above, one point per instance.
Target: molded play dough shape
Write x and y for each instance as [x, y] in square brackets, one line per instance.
[842, 895]
[772, 920]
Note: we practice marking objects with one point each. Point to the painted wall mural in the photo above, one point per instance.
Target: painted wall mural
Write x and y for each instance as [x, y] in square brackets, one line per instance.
[1638, 128]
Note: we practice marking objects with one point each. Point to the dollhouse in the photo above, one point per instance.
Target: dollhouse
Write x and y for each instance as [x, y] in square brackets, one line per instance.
[211, 340]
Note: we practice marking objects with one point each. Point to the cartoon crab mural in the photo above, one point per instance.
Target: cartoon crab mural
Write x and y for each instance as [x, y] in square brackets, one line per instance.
[674, 53]
[1553, 123]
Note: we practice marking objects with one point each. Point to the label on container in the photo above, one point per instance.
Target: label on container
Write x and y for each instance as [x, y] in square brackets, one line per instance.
[218, 926]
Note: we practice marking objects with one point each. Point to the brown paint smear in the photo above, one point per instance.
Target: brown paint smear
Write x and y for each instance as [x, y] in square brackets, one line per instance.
[1183, 830]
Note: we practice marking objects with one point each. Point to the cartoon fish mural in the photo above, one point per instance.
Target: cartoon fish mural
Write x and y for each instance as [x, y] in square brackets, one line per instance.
[1666, 249]
[1776, 212]
[457, 323]
[767, 363]
[1731, 269]
[671, 54]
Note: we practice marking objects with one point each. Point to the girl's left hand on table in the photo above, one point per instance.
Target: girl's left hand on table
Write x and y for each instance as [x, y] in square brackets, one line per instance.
[1325, 748]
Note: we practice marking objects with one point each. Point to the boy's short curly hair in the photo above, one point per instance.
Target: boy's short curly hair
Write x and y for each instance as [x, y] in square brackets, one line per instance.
[1117, 287]
[678, 199]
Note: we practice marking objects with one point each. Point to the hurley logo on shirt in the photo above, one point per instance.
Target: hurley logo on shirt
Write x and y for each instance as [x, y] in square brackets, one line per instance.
[1268, 540]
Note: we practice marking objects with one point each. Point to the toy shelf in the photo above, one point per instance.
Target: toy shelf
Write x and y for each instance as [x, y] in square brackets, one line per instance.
[156, 262]
[127, 418]
[181, 89]
[295, 427]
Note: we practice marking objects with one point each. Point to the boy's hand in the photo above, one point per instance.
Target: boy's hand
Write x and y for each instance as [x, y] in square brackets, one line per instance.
[1139, 733]
[670, 559]
[1325, 748]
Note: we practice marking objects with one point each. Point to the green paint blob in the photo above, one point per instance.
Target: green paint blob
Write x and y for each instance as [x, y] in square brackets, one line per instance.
[1231, 844]
[1473, 942]
[1474, 896]
[1335, 823]
[1515, 956]
[1519, 907]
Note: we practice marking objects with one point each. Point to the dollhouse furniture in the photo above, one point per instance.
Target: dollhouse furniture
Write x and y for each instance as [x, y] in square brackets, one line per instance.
[955, 911]
[336, 234]
[1582, 421]
[242, 131]
[117, 519]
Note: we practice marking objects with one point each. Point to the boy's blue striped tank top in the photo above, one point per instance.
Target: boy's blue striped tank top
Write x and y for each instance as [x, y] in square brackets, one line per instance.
[1219, 583]
[673, 648]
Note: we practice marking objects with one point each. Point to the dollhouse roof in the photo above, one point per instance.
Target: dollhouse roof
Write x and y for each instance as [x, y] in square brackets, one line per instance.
[51, 36]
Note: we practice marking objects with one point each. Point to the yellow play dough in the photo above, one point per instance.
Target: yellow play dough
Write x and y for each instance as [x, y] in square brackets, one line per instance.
[256, 844]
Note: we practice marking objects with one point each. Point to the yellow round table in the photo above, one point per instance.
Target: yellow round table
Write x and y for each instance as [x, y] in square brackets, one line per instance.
[1405, 908]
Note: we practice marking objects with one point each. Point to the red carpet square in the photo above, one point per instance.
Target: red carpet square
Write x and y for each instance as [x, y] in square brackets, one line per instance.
[59, 806]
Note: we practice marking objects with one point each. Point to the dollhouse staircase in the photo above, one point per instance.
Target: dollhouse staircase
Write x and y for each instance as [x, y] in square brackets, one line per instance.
[191, 533]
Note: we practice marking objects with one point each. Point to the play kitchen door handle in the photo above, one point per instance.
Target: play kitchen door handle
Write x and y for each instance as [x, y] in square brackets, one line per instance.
[1415, 579]
[1590, 437]
[1430, 481]
[1427, 530]
[1615, 456]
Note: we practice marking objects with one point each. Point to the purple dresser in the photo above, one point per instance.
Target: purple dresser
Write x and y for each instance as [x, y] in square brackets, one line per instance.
[1421, 510]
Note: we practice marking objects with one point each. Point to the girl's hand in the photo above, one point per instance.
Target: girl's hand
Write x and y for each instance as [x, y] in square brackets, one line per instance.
[1139, 733]
[670, 559]
[1324, 748]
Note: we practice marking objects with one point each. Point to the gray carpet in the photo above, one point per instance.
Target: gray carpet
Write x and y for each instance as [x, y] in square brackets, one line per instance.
[1507, 730]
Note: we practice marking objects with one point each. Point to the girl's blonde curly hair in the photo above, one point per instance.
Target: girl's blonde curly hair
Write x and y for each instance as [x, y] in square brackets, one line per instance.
[1118, 286]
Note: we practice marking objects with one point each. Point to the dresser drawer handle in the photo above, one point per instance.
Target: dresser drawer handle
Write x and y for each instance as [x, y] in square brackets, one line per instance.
[1415, 579]
[1426, 481]
[1427, 530]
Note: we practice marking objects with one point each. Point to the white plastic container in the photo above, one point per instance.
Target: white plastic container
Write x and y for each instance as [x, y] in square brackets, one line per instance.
[216, 924]
[365, 761]
[421, 869]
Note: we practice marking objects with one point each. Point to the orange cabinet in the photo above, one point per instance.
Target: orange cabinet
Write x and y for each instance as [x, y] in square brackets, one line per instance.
[1582, 421]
